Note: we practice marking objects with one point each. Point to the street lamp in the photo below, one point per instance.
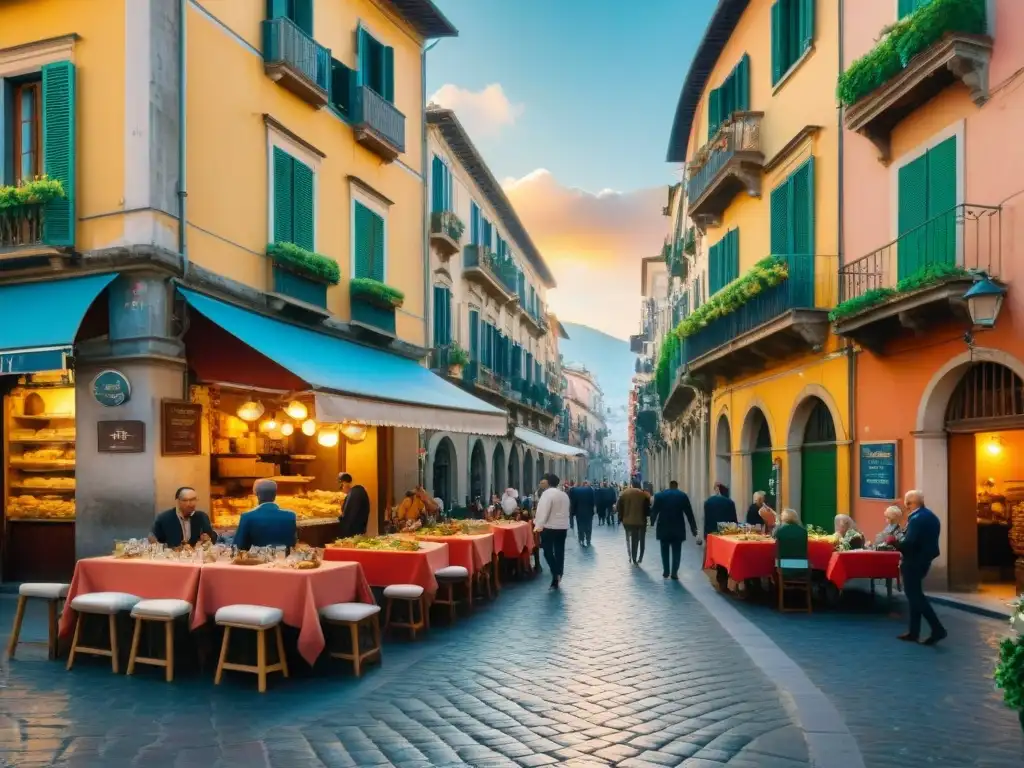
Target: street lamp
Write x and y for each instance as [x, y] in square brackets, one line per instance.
[984, 300]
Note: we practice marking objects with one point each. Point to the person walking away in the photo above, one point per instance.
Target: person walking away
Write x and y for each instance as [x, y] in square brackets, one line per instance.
[718, 508]
[633, 508]
[570, 490]
[920, 546]
[552, 523]
[670, 515]
[583, 504]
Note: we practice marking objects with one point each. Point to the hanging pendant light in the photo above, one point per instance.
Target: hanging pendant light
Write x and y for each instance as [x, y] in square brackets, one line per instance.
[287, 429]
[250, 411]
[309, 427]
[328, 438]
[270, 425]
[297, 410]
[354, 433]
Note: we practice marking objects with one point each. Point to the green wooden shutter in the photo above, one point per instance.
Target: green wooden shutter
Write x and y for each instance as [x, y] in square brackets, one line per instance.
[780, 219]
[818, 482]
[438, 315]
[474, 223]
[474, 335]
[302, 15]
[363, 241]
[743, 84]
[806, 24]
[713, 267]
[942, 203]
[388, 75]
[378, 254]
[912, 215]
[714, 111]
[761, 470]
[59, 104]
[283, 199]
[343, 87]
[363, 56]
[303, 224]
[734, 256]
[802, 209]
[778, 42]
[277, 9]
[437, 185]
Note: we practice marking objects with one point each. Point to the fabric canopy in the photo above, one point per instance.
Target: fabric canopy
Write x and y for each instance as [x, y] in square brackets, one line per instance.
[39, 321]
[353, 382]
[547, 445]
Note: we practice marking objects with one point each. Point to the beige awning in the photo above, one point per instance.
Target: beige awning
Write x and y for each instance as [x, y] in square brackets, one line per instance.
[338, 408]
[546, 445]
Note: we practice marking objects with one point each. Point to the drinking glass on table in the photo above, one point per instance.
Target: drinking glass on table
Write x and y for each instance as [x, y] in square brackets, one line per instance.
[280, 554]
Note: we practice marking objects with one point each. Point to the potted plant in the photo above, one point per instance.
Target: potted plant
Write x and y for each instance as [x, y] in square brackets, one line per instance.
[377, 293]
[302, 274]
[457, 358]
[1009, 675]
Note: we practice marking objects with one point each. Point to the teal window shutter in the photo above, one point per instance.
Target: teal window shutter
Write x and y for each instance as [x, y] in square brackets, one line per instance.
[806, 22]
[802, 213]
[302, 15]
[377, 228]
[779, 214]
[942, 200]
[779, 29]
[743, 84]
[447, 316]
[343, 88]
[284, 205]
[912, 215]
[388, 75]
[734, 256]
[714, 111]
[437, 185]
[363, 240]
[474, 223]
[474, 335]
[59, 122]
[438, 315]
[303, 211]
[713, 266]
[278, 9]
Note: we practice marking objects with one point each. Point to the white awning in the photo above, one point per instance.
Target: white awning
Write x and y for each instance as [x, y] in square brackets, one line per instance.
[547, 445]
[338, 408]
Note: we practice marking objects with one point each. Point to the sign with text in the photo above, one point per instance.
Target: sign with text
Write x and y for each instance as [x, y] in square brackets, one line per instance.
[879, 475]
[181, 428]
[111, 388]
[121, 436]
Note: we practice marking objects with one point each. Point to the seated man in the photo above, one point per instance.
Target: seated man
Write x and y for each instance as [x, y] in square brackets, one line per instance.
[268, 525]
[183, 524]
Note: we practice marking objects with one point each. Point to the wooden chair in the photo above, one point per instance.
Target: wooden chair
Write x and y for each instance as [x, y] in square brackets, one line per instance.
[53, 594]
[412, 595]
[448, 579]
[107, 604]
[258, 619]
[482, 581]
[792, 566]
[355, 616]
[164, 612]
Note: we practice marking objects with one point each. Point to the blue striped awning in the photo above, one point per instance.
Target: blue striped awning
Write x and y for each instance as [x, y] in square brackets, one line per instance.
[39, 321]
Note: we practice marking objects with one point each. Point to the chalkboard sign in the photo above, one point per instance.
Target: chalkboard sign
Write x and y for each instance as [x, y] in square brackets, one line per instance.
[879, 474]
[180, 426]
[121, 436]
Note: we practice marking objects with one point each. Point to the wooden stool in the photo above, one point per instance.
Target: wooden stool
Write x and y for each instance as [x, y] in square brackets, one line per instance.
[449, 578]
[412, 595]
[107, 604]
[164, 611]
[53, 594]
[482, 579]
[355, 616]
[257, 618]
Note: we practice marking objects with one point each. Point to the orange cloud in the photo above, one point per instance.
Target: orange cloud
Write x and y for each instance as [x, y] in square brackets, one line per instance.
[483, 113]
[593, 243]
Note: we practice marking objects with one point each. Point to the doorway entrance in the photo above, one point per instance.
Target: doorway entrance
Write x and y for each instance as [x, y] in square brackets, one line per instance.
[819, 474]
[477, 470]
[761, 458]
[444, 473]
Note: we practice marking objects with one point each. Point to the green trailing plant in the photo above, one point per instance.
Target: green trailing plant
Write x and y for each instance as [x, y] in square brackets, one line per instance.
[767, 273]
[907, 38]
[457, 355]
[925, 277]
[35, 192]
[21, 210]
[308, 263]
[376, 292]
[663, 370]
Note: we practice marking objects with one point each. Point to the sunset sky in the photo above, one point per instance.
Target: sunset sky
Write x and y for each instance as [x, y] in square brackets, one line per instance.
[571, 103]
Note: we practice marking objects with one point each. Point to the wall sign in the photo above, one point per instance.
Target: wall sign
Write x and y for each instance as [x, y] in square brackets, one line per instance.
[879, 470]
[775, 482]
[121, 436]
[111, 388]
[181, 428]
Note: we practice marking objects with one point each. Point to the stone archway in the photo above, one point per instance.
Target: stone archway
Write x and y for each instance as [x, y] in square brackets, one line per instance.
[477, 472]
[756, 441]
[445, 484]
[498, 469]
[808, 437]
[723, 451]
[529, 483]
[513, 469]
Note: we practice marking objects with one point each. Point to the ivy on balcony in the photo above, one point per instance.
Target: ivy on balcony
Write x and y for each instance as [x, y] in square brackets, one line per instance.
[927, 276]
[307, 263]
[907, 38]
[377, 293]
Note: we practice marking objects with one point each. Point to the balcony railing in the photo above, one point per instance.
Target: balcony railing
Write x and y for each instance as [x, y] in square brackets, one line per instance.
[733, 154]
[296, 61]
[378, 124]
[810, 285]
[501, 274]
[446, 230]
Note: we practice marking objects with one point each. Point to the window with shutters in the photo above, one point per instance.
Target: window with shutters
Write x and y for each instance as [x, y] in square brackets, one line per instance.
[442, 316]
[724, 261]
[26, 130]
[907, 7]
[293, 203]
[926, 210]
[370, 243]
[792, 34]
[474, 223]
[376, 65]
[441, 190]
[792, 213]
[299, 11]
[732, 96]
[474, 335]
[342, 89]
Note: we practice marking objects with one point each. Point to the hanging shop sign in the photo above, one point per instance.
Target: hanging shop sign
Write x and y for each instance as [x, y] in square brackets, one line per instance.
[111, 388]
[879, 470]
[181, 428]
[121, 436]
[775, 481]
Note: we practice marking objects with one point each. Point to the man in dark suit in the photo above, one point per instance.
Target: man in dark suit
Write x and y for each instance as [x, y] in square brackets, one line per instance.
[583, 505]
[267, 525]
[355, 512]
[183, 524]
[670, 514]
[719, 508]
[920, 546]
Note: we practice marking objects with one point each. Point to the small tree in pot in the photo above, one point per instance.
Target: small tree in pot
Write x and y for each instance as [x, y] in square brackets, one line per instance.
[458, 358]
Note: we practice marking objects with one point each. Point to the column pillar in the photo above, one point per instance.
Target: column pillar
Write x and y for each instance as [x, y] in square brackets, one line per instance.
[931, 477]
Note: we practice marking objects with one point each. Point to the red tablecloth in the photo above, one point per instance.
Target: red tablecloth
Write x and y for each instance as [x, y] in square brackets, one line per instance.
[513, 539]
[149, 579]
[756, 559]
[386, 567]
[300, 594]
[862, 564]
[472, 551]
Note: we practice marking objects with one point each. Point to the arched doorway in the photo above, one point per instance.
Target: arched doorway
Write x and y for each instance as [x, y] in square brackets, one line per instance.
[819, 473]
[477, 471]
[513, 469]
[540, 468]
[498, 465]
[528, 484]
[757, 438]
[723, 452]
[445, 472]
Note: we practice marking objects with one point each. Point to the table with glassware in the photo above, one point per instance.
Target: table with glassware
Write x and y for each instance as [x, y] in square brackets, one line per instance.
[388, 560]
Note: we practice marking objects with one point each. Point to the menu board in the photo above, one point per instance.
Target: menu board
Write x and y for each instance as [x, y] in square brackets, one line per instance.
[878, 471]
[181, 428]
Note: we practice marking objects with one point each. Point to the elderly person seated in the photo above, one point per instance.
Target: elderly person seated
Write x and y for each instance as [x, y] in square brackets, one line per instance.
[890, 536]
[754, 510]
[848, 536]
[788, 517]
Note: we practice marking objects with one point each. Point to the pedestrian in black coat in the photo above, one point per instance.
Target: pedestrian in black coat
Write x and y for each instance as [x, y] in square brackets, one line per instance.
[583, 504]
[719, 508]
[671, 514]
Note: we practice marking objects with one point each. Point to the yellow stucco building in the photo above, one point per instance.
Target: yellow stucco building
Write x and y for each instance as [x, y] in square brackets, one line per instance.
[756, 127]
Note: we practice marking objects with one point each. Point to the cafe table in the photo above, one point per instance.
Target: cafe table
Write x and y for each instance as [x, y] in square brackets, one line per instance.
[384, 567]
[756, 559]
[513, 540]
[473, 551]
[864, 564]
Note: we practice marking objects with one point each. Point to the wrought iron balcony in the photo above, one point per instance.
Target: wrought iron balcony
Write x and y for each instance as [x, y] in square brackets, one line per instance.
[920, 278]
[446, 230]
[730, 163]
[496, 276]
[536, 319]
[378, 124]
[682, 388]
[786, 319]
[296, 61]
[637, 342]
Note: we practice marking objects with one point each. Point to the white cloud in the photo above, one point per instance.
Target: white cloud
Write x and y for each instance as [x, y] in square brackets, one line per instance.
[483, 113]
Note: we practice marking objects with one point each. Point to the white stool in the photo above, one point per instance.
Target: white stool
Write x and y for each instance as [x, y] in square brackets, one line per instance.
[53, 594]
[448, 578]
[412, 595]
[107, 604]
[256, 618]
[355, 616]
[164, 611]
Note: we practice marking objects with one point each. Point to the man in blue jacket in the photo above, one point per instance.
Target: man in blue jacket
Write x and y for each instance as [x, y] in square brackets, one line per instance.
[268, 525]
[583, 505]
[671, 514]
[920, 546]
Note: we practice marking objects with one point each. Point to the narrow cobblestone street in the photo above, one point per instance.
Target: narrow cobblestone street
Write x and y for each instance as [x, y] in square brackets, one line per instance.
[619, 668]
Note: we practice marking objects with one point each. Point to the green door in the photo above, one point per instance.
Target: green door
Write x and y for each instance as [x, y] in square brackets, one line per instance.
[818, 485]
[761, 473]
[927, 210]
